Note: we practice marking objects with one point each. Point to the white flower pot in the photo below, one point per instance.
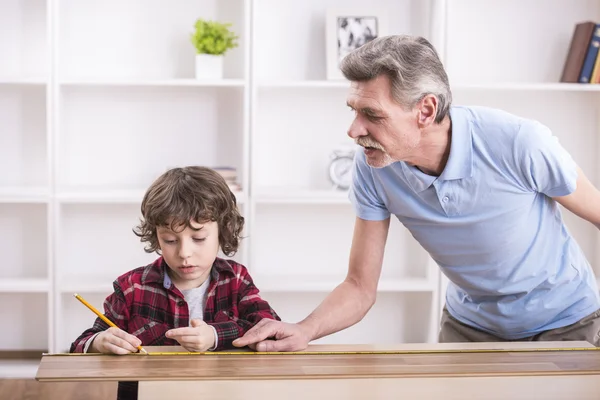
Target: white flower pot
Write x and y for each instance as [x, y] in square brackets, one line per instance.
[209, 66]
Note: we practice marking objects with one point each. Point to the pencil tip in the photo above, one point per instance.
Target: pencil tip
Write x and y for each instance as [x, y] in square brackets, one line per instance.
[144, 351]
[74, 294]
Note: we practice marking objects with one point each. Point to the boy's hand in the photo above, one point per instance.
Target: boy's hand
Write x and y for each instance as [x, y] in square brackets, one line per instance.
[198, 337]
[116, 341]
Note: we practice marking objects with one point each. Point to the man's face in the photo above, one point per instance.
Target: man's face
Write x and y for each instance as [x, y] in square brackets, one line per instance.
[385, 129]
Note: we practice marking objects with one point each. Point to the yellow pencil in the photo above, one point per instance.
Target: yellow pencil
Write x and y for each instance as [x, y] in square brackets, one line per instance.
[102, 317]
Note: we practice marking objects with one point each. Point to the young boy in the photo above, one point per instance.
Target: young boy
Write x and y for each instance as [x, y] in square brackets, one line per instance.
[187, 296]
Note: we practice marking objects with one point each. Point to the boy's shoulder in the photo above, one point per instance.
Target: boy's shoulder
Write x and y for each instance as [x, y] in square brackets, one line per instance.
[142, 275]
[229, 267]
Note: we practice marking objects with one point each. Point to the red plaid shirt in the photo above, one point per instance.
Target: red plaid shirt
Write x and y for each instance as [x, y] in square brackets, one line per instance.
[146, 304]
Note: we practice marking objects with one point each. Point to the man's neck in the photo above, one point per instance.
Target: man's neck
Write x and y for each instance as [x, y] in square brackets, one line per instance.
[433, 151]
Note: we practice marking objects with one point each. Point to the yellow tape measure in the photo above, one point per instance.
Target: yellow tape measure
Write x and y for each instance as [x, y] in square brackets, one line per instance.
[336, 353]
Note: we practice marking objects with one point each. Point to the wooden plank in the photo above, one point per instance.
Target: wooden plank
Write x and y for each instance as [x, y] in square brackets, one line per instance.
[240, 367]
[415, 346]
[21, 354]
[29, 389]
[580, 387]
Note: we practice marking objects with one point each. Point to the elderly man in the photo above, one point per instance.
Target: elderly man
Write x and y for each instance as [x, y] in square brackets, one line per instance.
[479, 189]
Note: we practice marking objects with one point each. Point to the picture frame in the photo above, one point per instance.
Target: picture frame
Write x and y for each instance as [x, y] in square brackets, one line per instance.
[348, 29]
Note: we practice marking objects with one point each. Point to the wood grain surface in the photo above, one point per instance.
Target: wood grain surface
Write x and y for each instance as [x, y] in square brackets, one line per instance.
[550, 387]
[260, 367]
[29, 389]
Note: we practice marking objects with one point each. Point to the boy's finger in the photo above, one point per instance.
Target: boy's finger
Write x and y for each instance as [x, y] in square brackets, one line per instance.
[186, 338]
[197, 322]
[116, 349]
[181, 332]
[123, 344]
[127, 337]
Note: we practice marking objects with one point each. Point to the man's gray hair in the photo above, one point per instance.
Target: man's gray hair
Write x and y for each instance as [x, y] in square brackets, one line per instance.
[411, 63]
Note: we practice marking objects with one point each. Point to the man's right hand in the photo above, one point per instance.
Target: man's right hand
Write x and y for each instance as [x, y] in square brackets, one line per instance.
[115, 341]
[272, 335]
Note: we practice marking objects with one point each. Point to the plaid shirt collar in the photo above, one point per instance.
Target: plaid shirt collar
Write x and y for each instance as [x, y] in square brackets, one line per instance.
[157, 274]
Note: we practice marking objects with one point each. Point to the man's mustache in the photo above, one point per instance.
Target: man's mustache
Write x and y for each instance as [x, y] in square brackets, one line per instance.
[366, 141]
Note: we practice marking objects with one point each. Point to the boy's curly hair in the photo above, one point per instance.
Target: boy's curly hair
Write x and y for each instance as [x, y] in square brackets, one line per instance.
[192, 193]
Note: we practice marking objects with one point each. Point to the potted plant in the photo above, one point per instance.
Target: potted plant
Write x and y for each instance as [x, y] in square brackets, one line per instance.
[211, 39]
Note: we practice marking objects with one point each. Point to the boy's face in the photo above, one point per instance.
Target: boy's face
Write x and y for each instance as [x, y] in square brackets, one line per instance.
[190, 253]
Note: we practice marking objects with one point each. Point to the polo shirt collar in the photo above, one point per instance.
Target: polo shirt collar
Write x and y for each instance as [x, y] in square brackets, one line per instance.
[460, 160]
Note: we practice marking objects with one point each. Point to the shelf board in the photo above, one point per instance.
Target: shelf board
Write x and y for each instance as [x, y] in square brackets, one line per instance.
[279, 196]
[112, 197]
[90, 286]
[24, 285]
[315, 284]
[515, 86]
[155, 82]
[278, 284]
[24, 195]
[342, 84]
[22, 81]
[18, 369]
[101, 196]
[508, 86]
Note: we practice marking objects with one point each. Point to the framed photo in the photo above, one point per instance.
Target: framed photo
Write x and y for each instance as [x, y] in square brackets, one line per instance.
[347, 30]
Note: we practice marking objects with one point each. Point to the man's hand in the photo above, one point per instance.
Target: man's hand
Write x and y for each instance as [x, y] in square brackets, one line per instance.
[272, 335]
[115, 341]
[198, 337]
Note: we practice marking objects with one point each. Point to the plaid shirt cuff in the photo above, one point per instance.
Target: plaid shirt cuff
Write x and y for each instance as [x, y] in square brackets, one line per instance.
[88, 342]
[227, 332]
[216, 339]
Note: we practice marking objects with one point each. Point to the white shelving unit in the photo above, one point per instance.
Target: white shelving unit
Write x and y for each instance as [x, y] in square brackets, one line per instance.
[98, 98]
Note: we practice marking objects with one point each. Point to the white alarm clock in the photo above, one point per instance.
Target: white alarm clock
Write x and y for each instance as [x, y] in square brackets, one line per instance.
[340, 167]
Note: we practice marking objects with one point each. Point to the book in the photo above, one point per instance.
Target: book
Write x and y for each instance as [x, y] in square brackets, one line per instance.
[578, 49]
[590, 57]
[230, 176]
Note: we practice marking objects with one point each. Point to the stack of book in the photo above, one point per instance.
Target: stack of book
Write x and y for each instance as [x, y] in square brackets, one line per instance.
[583, 64]
[230, 176]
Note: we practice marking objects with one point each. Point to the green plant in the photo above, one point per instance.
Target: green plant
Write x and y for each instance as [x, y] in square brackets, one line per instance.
[212, 37]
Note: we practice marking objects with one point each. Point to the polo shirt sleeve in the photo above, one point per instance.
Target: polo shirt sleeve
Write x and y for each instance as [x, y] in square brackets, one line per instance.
[363, 194]
[546, 167]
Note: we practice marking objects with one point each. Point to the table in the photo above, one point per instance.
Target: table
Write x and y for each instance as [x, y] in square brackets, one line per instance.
[567, 370]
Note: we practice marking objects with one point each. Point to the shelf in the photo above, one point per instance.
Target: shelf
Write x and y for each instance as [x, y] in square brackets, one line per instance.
[108, 196]
[24, 285]
[279, 284]
[555, 87]
[281, 196]
[23, 195]
[541, 86]
[18, 369]
[23, 81]
[316, 284]
[87, 287]
[157, 82]
[341, 84]
[112, 197]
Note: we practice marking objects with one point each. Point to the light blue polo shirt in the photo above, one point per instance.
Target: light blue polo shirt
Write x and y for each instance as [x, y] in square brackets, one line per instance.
[489, 223]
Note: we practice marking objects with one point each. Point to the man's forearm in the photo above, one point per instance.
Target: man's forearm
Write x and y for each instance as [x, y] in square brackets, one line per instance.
[346, 305]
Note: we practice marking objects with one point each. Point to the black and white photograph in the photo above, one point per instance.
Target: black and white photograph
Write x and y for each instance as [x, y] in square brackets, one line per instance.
[347, 29]
[353, 32]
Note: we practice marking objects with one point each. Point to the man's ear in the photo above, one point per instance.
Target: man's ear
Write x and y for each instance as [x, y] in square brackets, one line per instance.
[427, 110]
